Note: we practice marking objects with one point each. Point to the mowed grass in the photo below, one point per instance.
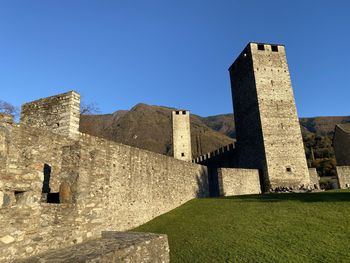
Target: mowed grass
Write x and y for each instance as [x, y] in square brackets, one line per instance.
[312, 227]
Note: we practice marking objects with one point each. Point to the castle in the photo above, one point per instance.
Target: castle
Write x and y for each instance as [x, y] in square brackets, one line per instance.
[61, 189]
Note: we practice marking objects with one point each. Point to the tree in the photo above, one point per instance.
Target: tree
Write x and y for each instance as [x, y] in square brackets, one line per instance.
[8, 108]
[89, 108]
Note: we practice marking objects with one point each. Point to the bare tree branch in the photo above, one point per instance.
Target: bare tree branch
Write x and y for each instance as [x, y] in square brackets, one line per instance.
[89, 108]
[8, 108]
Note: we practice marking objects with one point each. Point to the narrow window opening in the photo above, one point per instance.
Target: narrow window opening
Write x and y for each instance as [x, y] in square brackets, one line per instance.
[177, 112]
[288, 169]
[274, 48]
[47, 175]
[261, 47]
[184, 112]
[182, 154]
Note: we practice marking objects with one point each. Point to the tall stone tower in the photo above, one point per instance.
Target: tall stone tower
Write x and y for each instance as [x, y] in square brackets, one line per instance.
[181, 135]
[59, 113]
[267, 125]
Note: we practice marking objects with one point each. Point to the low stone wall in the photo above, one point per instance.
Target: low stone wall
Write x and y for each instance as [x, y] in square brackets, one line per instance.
[234, 181]
[343, 174]
[314, 178]
[112, 247]
[94, 185]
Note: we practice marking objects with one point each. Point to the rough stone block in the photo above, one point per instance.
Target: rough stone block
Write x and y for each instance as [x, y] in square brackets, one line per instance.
[233, 181]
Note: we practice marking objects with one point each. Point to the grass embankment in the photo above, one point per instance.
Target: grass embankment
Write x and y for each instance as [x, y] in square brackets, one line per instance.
[311, 227]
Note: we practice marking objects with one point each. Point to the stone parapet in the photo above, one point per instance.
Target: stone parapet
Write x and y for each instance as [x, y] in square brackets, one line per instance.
[60, 114]
[113, 247]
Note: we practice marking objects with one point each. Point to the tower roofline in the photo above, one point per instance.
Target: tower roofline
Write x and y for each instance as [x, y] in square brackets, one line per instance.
[248, 45]
[264, 43]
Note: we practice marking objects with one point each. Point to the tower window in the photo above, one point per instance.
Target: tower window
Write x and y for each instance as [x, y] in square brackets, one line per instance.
[183, 154]
[274, 48]
[288, 169]
[177, 112]
[184, 112]
[261, 47]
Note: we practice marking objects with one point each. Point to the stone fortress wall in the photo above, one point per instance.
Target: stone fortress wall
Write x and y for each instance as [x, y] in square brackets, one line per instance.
[181, 135]
[57, 191]
[267, 127]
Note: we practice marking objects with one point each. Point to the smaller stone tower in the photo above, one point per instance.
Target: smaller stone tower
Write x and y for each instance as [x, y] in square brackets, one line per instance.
[181, 135]
[60, 114]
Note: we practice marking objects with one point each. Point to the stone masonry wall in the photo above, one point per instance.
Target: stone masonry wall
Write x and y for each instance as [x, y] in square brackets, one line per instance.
[59, 114]
[343, 174]
[181, 135]
[234, 181]
[102, 185]
[114, 248]
[271, 127]
[314, 178]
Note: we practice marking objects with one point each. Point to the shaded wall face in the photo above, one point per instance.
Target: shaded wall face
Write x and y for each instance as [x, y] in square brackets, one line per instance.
[60, 114]
[266, 116]
[105, 186]
[342, 147]
[249, 145]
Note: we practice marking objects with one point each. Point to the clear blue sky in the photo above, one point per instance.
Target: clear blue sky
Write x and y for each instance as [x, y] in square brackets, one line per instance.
[172, 53]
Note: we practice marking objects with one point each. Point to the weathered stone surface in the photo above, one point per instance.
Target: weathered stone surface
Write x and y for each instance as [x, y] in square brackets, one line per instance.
[7, 239]
[60, 114]
[6, 118]
[314, 178]
[1, 198]
[267, 127]
[65, 193]
[112, 247]
[113, 187]
[343, 174]
[238, 181]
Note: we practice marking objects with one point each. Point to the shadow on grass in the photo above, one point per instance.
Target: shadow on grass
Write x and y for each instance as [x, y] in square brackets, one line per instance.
[330, 196]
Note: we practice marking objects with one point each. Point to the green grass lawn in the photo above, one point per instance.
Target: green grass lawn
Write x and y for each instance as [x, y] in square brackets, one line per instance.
[312, 227]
